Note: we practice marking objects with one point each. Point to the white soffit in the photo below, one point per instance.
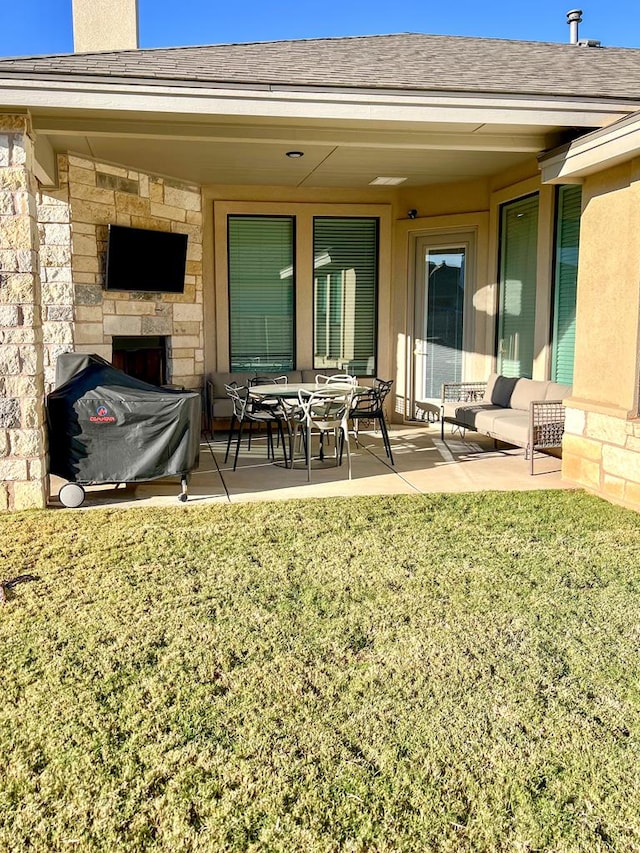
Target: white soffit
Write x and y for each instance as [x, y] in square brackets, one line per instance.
[266, 164]
[208, 150]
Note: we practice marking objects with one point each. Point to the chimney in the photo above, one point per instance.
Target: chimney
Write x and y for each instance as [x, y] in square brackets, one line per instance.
[574, 17]
[105, 25]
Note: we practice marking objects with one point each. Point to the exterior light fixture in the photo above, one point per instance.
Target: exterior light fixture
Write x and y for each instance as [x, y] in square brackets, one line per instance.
[295, 155]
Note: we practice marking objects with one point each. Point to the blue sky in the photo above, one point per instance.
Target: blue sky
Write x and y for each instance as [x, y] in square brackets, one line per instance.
[44, 26]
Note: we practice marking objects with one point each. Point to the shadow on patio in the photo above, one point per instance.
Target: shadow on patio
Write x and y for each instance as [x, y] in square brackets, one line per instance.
[423, 464]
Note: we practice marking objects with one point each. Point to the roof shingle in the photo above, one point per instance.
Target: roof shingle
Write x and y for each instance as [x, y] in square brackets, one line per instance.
[404, 62]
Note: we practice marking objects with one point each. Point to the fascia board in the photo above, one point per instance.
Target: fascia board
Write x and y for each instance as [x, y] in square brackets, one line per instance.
[417, 107]
[593, 153]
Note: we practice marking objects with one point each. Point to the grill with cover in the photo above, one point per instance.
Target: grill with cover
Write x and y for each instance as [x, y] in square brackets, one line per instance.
[108, 427]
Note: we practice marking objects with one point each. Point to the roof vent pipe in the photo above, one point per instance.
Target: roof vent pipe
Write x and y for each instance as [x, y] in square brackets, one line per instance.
[574, 17]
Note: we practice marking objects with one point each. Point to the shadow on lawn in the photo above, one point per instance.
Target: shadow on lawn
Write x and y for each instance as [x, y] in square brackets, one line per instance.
[7, 586]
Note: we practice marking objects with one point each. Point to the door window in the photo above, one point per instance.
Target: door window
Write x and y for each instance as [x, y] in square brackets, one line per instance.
[518, 271]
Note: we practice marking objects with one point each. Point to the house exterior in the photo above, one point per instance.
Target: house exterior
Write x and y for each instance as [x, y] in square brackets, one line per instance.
[421, 208]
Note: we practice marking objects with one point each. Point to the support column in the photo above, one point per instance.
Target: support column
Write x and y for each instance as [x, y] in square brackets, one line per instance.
[601, 445]
[23, 478]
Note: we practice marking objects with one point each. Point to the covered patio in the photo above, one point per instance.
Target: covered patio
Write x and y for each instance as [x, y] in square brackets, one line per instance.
[364, 205]
[423, 464]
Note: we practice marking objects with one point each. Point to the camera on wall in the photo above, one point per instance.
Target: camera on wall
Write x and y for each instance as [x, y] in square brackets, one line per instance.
[412, 213]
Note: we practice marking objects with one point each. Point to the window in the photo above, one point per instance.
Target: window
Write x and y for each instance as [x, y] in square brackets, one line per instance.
[345, 259]
[518, 270]
[567, 240]
[261, 292]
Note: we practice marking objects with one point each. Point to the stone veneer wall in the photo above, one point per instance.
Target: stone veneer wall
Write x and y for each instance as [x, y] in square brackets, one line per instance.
[77, 313]
[52, 258]
[57, 290]
[23, 477]
[602, 453]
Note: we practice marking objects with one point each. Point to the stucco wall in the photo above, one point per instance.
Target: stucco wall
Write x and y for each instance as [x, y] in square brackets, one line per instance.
[601, 449]
[608, 302]
[466, 206]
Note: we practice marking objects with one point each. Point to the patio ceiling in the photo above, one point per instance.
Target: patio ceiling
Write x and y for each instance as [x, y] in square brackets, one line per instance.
[430, 109]
[338, 153]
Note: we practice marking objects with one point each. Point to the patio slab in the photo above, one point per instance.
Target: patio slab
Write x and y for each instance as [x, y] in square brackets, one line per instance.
[423, 464]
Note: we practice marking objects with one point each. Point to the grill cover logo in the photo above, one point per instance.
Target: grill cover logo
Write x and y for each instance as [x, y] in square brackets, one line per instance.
[102, 416]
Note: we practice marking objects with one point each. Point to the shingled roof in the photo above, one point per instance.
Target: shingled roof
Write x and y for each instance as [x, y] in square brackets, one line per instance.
[401, 62]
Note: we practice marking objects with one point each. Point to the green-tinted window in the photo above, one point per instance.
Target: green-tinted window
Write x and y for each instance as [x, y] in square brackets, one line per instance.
[518, 268]
[345, 253]
[567, 241]
[261, 292]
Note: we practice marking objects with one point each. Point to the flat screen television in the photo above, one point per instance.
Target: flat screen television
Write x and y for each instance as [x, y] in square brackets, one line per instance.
[139, 259]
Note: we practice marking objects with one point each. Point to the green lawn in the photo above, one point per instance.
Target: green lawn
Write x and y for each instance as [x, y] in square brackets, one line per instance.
[438, 673]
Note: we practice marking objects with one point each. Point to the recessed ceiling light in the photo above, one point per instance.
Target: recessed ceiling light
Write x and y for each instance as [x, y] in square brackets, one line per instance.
[389, 182]
[295, 155]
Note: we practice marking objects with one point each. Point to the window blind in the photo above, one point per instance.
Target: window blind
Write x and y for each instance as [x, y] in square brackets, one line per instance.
[345, 252]
[261, 292]
[567, 241]
[518, 268]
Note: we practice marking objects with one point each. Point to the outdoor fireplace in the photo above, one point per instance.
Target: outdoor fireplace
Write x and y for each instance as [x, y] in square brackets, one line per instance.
[144, 357]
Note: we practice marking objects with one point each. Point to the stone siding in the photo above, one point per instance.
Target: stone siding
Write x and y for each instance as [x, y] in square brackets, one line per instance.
[602, 454]
[23, 477]
[54, 234]
[99, 194]
[77, 314]
[52, 262]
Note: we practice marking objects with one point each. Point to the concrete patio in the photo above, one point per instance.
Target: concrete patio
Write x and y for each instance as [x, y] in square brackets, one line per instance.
[423, 464]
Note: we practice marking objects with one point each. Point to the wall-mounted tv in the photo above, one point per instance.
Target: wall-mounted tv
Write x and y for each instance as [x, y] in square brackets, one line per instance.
[139, 259]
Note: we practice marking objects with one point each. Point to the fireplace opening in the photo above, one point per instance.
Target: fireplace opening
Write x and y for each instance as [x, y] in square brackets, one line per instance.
[142, 357]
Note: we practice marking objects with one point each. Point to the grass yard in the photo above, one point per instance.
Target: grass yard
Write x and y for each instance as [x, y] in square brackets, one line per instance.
[439, 673]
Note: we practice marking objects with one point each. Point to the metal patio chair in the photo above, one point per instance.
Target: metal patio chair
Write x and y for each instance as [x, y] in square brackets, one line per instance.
[369, 405]
[246, 410]
[324, 411]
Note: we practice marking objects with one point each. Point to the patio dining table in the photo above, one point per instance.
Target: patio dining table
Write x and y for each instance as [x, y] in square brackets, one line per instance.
[287, 392]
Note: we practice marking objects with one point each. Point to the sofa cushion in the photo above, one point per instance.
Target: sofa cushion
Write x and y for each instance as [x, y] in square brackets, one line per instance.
[556, 391]
[499, 389]
[488, 391]
[310, 375]
[466, 415]
[261, 378]
[525, 392]
[222, 407]
[509, 425]
[221, 379]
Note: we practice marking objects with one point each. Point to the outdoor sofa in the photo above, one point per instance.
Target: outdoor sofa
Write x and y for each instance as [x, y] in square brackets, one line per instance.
[522, 412]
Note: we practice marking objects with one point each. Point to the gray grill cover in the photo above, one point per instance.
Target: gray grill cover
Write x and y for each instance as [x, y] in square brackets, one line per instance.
[108, 427]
